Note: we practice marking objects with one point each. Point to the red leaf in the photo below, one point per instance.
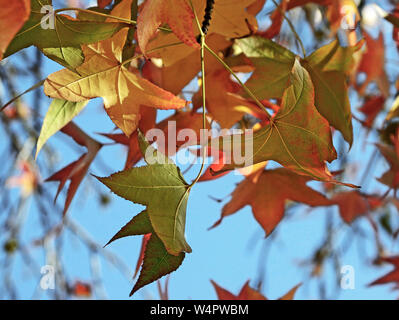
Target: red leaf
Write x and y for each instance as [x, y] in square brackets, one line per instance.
[392, 276]
[76, 171]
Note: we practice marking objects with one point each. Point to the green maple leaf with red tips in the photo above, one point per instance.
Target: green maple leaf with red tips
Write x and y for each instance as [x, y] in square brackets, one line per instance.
[327, 67]
[297, 136]
[161, 187]
[155, 260]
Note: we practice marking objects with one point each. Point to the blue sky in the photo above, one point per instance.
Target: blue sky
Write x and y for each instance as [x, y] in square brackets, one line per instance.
[230, 254]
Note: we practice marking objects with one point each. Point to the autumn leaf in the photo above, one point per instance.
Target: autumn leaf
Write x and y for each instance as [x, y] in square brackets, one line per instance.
[12, 17]
[230, 19]
[297, 137]
[169, 76]
[103, 75]
[268, 195]
[146, 122]
[103, 3]
[327, 66]
[248, 293]
[81, 289]
[176, 13]
[222, 104]
[351, 205]
[372, 106]
[187, 123]
[162, 189]
[61, 43]
[392, 276]
[217, 164]
[373, 65]
[391, 177]
[75, 171]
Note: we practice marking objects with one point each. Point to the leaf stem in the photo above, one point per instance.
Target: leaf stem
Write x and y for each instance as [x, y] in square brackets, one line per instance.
[246, 89]
[292, 28]
[35, 86]
[204, 150]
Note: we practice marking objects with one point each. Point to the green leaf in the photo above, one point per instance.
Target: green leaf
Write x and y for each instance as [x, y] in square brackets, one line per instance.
[298, 137]
[157, 263]
[273, 64]
[328, 67]
[68, 32]
[139, 225]
[59, 114]
[162, 189]
[69, 57]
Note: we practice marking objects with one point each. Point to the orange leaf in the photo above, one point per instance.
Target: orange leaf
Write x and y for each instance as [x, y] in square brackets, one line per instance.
[13, 15]
[248, 293]
[351, 204]
[176, 13]
[81, 289]
[268, 195]
[103, 75]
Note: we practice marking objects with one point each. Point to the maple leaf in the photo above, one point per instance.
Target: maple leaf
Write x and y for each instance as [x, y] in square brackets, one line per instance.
[176, 13]
[219, 161]
[373, 64]
[169, 75]
[12, 17]
[61, 43]
[221, 103]
[392, 276]
[156, 261]
[185, 122]
[351, 204]
[371, 108]
[248, 293]
[230, 19]
[216, 165]
[76, 171]
[103, 75]
[268, 194]
[327, 67]
[297, 137]
[391, 177]
[162, 189]
[140, 259]
[146, 122]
